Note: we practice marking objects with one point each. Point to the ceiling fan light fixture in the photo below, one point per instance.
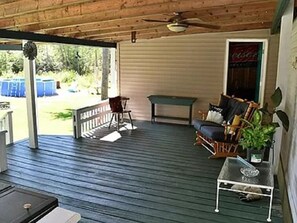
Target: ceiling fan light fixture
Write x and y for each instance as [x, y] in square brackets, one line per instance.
[177, 27]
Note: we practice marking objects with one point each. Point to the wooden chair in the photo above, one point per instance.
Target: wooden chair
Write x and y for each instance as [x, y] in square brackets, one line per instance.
[118, 109]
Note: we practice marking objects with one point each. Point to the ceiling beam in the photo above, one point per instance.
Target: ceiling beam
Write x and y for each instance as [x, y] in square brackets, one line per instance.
[116, 30]
[3, 2]
[76, 11]
[11, 47]
[17, 8]
[280, 9]
[109, 10]
[118, 23]
[113, 20]
[56, 39]
[242, 12]
[144, 26]
[150, 34]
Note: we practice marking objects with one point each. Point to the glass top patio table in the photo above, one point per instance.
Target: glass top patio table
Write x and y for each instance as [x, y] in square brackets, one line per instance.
[230, 173]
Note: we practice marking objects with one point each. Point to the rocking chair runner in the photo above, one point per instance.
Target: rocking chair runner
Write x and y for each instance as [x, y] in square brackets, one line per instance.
[221, 140]
[117, 107]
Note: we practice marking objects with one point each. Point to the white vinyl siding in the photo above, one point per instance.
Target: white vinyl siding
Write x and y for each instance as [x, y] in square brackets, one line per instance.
[289, 147]
[191, 65]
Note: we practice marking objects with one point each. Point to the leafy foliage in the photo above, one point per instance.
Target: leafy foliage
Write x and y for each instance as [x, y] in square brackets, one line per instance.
[10, 60]
[284, 119]
[276, 99]
[65, 63]
[46, 60]
[18, 65]
[54, 58]
[257, 134]
[77, 58]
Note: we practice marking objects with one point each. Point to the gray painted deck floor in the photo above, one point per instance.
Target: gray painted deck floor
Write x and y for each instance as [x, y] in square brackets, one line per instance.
[151, 174]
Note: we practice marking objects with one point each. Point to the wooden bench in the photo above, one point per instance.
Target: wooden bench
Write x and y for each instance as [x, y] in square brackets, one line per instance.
[60, 215]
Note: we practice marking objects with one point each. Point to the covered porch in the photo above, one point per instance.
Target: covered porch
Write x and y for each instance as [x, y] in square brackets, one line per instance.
[153, 173]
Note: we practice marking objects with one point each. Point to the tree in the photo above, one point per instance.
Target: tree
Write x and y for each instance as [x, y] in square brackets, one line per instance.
[18, 65]
[77, 58]
[46, 60]
[16, 61]
[105, 73]
[11, 61]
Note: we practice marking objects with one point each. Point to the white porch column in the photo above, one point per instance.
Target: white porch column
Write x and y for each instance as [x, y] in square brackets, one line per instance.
[30, 83]
[3, 156]
[9, 134]
[113, 72]
[282, 72]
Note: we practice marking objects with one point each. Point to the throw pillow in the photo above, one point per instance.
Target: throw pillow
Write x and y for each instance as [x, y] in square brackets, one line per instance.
[215, 108]
[235, 122]
[224, 99]
[236, 107]
[214, 114]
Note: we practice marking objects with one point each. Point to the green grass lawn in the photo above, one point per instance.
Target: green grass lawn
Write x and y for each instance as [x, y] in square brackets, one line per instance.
[54, 113]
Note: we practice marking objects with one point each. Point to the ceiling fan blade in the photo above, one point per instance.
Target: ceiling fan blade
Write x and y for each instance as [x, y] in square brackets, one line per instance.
[192, 19]
[204, 25]
[153, 20]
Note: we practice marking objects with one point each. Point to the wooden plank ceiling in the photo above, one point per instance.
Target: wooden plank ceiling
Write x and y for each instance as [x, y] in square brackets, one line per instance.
[114, 20]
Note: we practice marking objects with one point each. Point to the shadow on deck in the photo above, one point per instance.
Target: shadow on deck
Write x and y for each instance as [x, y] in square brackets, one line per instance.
[151, 174]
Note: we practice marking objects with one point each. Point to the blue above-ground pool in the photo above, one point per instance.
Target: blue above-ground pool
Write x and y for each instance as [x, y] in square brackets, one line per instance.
[15, 87]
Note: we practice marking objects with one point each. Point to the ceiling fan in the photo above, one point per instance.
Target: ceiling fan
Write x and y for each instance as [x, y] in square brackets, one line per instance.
[178, 23]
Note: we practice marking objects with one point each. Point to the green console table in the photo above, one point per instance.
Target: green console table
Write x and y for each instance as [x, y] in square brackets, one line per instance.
[171, 100]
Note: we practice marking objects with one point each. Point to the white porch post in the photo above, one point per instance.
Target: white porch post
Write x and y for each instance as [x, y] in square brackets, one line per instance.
[283, 71]
[113, 72]
[30, 83]
[9, 134]
[3, 156]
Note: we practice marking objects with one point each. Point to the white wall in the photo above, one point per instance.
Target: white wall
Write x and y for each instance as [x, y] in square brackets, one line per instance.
[190, 66]
[289, 146]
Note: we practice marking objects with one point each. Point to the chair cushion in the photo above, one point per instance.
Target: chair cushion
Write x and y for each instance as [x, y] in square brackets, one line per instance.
[235, 122]
[199, 123]
[214, 132]
[224, 99]
[235, 107]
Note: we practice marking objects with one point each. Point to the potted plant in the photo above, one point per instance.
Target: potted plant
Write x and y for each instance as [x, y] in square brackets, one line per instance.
[258, 133]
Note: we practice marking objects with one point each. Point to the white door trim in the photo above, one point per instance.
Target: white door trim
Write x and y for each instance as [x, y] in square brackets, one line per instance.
[263, 65]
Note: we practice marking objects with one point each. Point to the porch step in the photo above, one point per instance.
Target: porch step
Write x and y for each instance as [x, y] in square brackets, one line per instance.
[60, 215]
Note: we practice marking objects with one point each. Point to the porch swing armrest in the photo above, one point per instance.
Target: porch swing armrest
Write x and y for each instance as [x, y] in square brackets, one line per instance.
[202, 115]
[233, 131]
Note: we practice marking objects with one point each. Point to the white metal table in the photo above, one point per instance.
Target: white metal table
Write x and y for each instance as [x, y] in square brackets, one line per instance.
[230, 174]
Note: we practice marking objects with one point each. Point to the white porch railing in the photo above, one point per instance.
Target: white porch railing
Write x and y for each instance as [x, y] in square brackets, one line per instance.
[3, 156]
[88, 118]
[6, 125]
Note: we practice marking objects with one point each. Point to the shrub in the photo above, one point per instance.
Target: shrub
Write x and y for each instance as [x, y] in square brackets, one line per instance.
[18, 65]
